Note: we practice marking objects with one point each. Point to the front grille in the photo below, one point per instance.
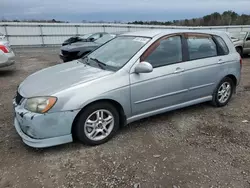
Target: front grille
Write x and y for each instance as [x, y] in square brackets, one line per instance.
[74, 54]
[70, 54]
[65, 52]
[18, 98]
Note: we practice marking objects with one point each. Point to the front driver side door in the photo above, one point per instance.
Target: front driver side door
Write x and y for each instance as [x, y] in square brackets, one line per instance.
[153, 92]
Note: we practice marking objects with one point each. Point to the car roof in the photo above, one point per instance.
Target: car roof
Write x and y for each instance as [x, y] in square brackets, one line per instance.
[152, 33]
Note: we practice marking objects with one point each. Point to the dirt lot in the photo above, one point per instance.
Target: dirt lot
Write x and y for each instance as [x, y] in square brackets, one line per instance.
[199, 146]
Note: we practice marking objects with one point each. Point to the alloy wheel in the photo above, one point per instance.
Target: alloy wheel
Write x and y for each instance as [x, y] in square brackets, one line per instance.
[99, 125]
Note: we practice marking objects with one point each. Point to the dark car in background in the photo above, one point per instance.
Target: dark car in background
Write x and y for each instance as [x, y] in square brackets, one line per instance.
[90, 37]
[79, 49]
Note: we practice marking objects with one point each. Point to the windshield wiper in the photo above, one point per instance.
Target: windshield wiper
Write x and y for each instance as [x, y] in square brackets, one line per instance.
[100, 64]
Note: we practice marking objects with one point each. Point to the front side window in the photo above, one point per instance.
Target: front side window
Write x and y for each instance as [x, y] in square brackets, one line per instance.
[201, 47]
[117, 52]
[166, 51]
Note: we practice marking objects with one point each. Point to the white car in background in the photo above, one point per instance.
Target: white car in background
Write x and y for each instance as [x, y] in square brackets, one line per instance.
[241, 41]
[6, 53]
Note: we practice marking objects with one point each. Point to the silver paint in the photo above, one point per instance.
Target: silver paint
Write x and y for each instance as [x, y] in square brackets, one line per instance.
[140, 95]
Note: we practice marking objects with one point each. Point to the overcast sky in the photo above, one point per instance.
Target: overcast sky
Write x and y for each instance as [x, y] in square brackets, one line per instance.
[120, 10]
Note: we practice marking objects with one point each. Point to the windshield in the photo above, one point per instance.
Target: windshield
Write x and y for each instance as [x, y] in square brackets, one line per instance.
[104, 39]
[116, 53]
[239, 35]
[87, 35]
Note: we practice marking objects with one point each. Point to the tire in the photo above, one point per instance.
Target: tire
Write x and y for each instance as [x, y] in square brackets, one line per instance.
[91, 130]
[221, 95]
[239, 50]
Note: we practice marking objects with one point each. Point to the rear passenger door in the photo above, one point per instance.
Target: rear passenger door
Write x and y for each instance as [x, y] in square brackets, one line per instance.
[202, 68]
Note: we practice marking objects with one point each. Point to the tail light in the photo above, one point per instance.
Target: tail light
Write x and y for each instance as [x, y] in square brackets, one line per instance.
[4, 49]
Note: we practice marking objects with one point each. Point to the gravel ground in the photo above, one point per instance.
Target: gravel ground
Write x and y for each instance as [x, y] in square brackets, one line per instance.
[199, 146]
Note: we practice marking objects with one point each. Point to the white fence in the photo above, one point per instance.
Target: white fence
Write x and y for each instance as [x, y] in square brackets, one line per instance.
[23, 34]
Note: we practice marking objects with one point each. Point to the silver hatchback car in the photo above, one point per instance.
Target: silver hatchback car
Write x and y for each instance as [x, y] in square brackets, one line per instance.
[133, 76]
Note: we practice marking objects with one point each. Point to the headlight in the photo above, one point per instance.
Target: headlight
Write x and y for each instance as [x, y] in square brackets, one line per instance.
[40, 104]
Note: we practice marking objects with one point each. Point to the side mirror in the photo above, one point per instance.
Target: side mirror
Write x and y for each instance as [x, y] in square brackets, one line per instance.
[143, 67]
[248, 39]
[91, 39]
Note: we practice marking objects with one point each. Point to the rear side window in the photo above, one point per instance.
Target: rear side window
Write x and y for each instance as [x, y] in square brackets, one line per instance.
[201, 47]
[166, 51]
[222, 46]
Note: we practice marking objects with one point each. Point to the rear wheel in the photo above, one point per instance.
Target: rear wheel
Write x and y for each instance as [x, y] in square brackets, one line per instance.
[97, 124]
[223, 92]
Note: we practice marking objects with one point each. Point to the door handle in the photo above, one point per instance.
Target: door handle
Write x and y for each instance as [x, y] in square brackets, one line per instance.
[220, 61]
[179, 70]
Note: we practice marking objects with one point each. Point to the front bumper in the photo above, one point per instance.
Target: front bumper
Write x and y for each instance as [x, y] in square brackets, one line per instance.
[43, 130]
[41, 143]
[68, 56]
[64, 58]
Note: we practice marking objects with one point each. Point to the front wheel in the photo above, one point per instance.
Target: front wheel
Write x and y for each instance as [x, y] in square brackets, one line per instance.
[97, 124]
[223, 92]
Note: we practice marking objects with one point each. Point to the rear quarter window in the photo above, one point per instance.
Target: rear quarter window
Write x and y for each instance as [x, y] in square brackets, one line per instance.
[222, 47]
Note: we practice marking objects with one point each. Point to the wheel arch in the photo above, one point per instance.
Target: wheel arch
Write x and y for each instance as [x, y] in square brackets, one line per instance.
[116, 104]
[234, 79]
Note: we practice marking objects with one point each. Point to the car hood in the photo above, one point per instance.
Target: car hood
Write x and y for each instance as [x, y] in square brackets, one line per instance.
[57, 78]
[78, 45]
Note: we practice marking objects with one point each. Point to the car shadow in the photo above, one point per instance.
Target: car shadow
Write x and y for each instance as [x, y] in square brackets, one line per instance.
[147, 122]
[143, 123]
[74, 146]
[7, 72]
[246, 57]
